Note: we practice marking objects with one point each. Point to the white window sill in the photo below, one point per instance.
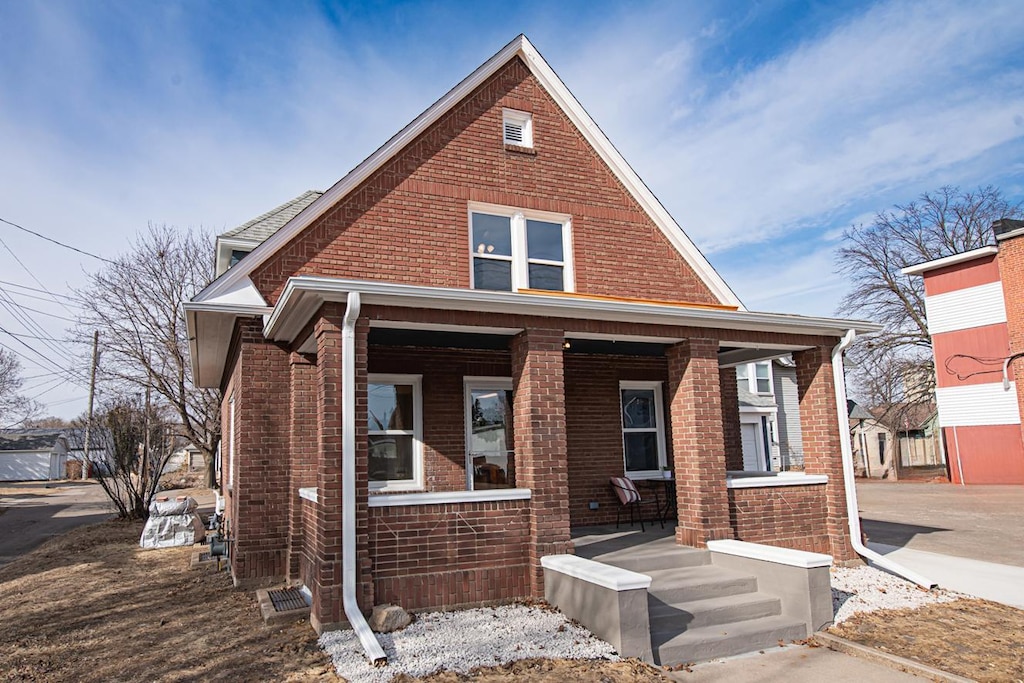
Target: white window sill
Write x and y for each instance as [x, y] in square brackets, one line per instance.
[445, 497]
[757, 480]
[308, 494]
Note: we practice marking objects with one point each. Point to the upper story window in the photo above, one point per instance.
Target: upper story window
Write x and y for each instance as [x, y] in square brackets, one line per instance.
[517, 128]
[513, 250]
[755, 377]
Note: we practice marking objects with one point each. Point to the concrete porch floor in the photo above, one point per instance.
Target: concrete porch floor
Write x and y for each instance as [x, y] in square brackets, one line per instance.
[591, 541]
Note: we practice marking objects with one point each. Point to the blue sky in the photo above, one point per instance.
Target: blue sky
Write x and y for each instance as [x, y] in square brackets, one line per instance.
[765, 127]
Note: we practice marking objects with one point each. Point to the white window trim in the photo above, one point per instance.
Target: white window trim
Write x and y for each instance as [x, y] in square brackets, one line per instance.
[470, 383]
[416, 483]
[520, 259]
[752, 378]
[524, 120]
[659, 416]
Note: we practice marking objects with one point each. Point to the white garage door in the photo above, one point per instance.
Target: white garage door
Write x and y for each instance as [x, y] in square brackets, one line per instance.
[24, 466]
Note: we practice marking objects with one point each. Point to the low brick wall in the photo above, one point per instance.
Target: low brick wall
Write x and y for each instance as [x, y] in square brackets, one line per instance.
[785, 516]
[450, 555]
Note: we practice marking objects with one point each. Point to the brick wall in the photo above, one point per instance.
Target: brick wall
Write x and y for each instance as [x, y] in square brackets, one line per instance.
[262, 474]
[785, 516]
[731, 418]
[819, 428]
[1011, 273]
[444, 416]
[695, 408]
[303, 455]
[408, 222]
[538, 414]
[594, 428]
[445, 556]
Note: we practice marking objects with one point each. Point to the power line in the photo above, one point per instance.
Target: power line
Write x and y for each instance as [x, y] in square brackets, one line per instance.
[68, 297]
[50, 239]
[33, 276]
[36, 310]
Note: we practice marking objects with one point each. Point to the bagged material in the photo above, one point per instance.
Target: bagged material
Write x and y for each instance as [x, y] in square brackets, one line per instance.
[172, 523]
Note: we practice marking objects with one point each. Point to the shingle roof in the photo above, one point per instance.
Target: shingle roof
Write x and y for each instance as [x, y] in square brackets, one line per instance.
[857, 412]
[28, 439]
[262, 227]
[754, 401]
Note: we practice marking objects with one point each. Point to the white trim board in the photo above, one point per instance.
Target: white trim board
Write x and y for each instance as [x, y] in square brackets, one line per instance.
[597, 573]
[963, 309]
[522, 48]
[972, 405]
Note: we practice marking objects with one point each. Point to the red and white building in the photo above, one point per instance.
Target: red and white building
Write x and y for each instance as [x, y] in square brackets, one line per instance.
[975, 317]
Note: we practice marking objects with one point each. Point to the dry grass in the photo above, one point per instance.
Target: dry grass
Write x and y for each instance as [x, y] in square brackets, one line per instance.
[550, 671]
[92, 606]
[976, 639]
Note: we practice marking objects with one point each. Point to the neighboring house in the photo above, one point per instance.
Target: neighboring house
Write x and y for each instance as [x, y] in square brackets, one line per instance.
[976, 321]
[431, 372]
[770, 416]
[99, 448]
[893, 442]
[32, 454]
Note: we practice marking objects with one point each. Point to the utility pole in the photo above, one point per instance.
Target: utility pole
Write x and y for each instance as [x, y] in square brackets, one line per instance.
[92, 394]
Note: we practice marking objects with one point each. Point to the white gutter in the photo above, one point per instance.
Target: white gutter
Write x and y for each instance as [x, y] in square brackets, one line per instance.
[852, 509]
[373, 650]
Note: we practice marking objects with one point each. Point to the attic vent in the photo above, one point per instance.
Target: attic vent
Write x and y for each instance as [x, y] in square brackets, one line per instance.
[518, 128]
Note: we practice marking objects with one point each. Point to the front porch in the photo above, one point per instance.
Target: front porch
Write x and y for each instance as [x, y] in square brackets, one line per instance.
[482, 438]
[698, 603]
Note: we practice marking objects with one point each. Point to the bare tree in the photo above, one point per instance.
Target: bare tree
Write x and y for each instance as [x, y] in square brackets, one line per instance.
[136, 303]
[894, 367]
[15, 407]
[130, 445]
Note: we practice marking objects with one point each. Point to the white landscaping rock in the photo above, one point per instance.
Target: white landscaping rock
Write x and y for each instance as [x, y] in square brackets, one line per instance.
[866, 589]
[459, 641]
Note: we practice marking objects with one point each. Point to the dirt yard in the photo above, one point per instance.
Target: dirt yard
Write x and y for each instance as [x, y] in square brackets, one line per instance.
[92, 606]
[976, 639]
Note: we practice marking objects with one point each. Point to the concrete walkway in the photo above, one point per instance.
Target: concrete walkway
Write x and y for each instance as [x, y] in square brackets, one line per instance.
[793, 664]
[997, 582]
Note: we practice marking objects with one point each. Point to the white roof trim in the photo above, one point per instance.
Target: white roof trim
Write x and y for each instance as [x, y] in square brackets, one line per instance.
[560, 93]
[303, 295]
[922, 268]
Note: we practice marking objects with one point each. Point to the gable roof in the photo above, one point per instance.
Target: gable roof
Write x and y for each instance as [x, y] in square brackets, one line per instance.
[29, 439]
[262, 227]
[235, 279]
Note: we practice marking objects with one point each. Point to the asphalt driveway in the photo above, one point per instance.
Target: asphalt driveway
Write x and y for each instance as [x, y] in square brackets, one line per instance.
[35, 511]
[976, 522]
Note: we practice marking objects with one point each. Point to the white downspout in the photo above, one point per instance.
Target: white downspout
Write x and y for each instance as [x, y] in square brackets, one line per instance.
[852, 510]
[373, 650]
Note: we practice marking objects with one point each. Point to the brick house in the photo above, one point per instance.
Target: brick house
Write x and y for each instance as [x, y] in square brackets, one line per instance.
[976, 322]
[430, 372]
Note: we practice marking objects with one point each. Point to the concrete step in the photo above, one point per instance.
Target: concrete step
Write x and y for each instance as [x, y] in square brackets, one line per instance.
[675, 586]
[661, 554]
[724, 640]
[710, 611]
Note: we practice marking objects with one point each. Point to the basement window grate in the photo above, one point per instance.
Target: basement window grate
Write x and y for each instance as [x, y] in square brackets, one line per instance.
[287, 599]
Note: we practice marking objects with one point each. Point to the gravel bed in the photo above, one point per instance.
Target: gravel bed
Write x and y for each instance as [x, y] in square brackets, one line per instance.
[866, 589]
[459, 641]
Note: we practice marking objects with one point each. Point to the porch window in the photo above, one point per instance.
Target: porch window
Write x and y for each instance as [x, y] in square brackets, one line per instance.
[513, 250]
[643, 432]
[490, 460]
[394, 428]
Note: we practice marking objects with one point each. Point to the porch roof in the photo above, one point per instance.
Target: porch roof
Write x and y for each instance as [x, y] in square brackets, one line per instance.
[211, 323]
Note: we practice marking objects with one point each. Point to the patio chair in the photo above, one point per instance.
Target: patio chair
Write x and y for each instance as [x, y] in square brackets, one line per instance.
[630, 498]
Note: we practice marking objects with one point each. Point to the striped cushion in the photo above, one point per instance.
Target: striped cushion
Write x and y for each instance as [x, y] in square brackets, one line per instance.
[625, 489]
